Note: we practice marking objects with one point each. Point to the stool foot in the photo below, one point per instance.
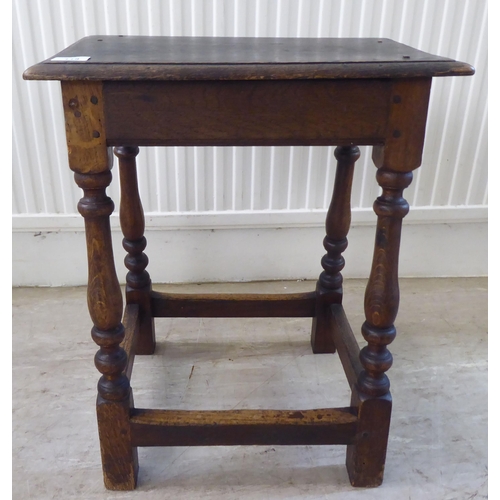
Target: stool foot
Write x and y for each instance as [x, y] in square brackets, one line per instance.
[365, 459]
[120, 465]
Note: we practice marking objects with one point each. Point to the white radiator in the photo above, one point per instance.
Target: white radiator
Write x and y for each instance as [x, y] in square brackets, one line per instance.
[252, 187]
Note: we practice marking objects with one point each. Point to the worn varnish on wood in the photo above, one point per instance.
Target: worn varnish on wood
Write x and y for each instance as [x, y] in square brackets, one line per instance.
[128, 58]
[133, 91]
[243, 427]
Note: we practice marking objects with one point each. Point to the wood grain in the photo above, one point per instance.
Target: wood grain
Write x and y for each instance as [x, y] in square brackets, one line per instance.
[247, 58]
[129, 342]
[216, 91]
[85, 127]
[382, 291]
[119, 457]
[346, 344]
[138, 287]
[89, 158]
[365, 458]
[242, 427]
[232, 305]
[405, 133]
[337, 224]
[194, 113]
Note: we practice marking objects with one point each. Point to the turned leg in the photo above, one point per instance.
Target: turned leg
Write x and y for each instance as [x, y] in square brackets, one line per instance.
[91, 161]
[338, 221]
[366, 458]
[138, 286]
[119, 458]
[395, 159]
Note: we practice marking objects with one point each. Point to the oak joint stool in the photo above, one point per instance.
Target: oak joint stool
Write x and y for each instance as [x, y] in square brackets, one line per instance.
[126, 92]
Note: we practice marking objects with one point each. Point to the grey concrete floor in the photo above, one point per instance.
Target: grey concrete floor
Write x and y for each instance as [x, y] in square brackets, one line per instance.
[438, 439]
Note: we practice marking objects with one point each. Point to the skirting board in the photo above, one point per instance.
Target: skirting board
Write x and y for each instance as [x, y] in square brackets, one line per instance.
[54, 254]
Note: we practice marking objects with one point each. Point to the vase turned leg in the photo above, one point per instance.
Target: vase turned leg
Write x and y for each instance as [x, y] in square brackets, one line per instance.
[90, 159]
[338, 221]
[138, 286]
[366, 457]
[114, 400]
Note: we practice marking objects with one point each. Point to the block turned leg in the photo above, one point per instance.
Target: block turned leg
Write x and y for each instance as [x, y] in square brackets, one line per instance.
[132, 223]
[338, 221]
[366, 458]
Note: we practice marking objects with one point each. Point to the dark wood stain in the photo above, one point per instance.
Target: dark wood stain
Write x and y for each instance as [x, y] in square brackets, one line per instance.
[227, 58]
[245, 113]
[291, 305]
[243, 427]
[138, 287]
[346, 344]
[171, 91]
[337, 224]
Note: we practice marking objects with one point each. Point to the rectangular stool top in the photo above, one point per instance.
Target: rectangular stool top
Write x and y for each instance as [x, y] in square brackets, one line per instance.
[132, 58]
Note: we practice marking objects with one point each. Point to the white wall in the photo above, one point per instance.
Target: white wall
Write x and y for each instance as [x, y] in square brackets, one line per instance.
[218, 199]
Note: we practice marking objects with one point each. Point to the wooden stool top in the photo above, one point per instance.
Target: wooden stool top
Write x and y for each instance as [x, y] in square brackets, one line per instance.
[227, 58]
